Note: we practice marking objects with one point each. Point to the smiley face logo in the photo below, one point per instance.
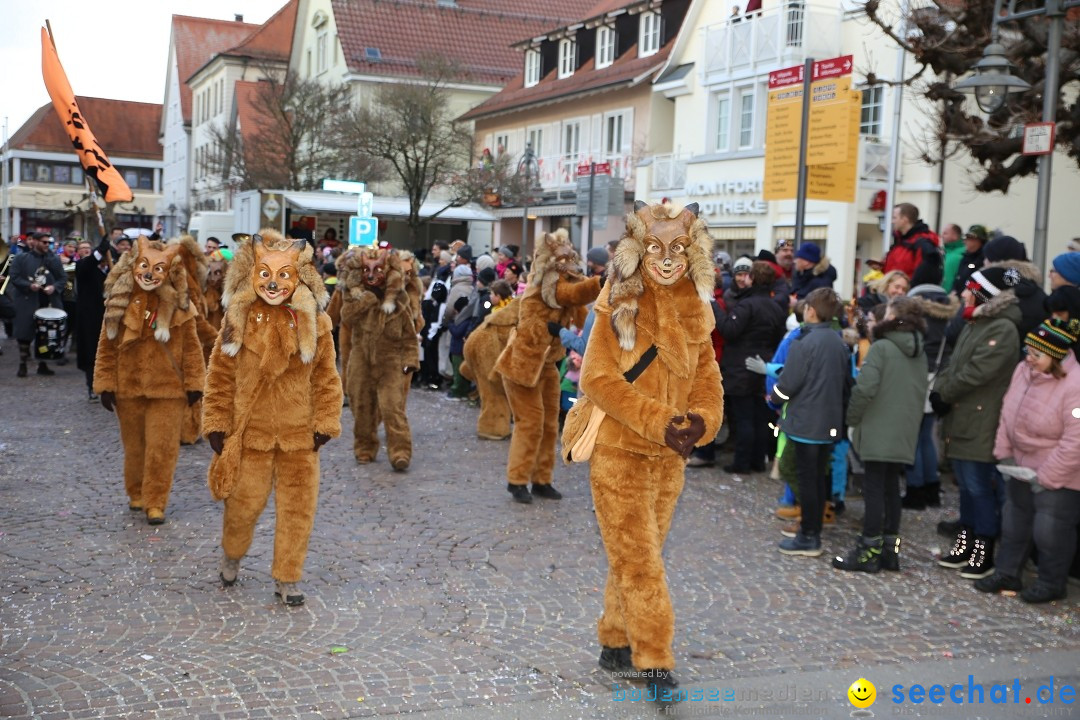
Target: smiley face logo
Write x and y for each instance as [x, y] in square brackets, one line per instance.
[862, 693]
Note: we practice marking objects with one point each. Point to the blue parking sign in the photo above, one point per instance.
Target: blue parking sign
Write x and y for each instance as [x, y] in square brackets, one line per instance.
[363, 230]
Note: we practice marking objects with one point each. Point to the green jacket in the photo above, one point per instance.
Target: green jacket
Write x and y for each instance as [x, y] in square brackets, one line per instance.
[953, 252]
[887, 403]
[977, 377]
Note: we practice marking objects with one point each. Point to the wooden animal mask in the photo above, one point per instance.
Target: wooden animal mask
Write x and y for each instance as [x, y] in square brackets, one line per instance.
[666, 242]
[374, 268]
[215, 274]
[152, 265]
[275, 274]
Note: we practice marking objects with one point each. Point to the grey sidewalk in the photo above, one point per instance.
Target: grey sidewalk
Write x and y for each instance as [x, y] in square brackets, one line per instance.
[448, 599]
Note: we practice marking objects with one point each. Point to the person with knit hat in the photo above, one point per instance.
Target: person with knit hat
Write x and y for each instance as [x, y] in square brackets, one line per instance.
[812, 271]
[1038, 445]
[781, 289]
[596, 261]
[1065, 270]
[968, 395]
[1063, 302]
[504, 255]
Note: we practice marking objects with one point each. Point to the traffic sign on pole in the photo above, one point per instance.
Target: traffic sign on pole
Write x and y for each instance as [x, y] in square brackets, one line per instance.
[364, 204]
[363, 230]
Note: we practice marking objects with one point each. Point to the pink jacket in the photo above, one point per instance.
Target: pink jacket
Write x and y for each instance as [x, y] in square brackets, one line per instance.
[1040, 424]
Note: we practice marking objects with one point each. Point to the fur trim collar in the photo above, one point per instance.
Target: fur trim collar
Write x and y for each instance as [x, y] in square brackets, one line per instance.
[997, 305]
[172, 294]
[309, 299]
[1027, 270]
[626, 279]
[944, 309]
[823, 266]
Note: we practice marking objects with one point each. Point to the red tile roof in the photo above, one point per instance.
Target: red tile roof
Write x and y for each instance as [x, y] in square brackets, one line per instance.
[273, 40]
[622, 73]
[476, 34]
[124, 129]
[198, 40]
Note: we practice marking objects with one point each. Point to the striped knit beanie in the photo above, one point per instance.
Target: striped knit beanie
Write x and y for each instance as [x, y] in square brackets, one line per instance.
[1054, 337]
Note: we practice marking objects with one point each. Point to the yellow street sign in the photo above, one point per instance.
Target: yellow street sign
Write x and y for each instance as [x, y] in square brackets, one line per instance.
[782, 143]
[829, 121]
[837, 181]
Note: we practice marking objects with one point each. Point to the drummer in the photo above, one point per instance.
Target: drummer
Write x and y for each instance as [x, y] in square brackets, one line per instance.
[38, 280]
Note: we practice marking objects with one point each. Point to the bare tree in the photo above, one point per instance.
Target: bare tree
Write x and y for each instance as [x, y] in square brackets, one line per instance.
[289, 147]
[947, 38]
[410, 125]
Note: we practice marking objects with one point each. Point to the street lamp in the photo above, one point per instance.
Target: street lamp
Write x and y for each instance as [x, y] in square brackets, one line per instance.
[993, 81]
[528, 166]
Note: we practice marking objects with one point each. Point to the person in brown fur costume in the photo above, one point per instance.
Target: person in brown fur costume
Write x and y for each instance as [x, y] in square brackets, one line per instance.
[273, 398]
[149, 367]
[377, 314]
[414, 286]
[482, 350]
[196, 264]
[215, 284]
[660, 284]
[556, 298]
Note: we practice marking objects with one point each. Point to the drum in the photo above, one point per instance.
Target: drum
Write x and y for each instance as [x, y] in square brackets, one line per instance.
[51, 334]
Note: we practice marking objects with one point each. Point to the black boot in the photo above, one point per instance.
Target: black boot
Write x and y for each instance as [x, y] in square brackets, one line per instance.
[22, 370]
[546, 491]
[520, 493]
[43, 369]
[661, 686]
[998, 582]
[949, 528]
[932, 494]
[865, 557]
[616, 659]
[890, 553]
[981, 562]
[961, 550]
[914, 499]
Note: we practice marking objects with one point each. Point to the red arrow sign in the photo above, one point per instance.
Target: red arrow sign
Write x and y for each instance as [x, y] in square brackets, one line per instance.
[787, 76]
[833, 67]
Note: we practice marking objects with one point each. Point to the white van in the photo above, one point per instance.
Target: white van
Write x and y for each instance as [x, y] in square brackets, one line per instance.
[204, 224]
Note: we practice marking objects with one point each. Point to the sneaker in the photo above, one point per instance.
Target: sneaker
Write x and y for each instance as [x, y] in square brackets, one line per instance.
[1042, 593]
[546, 491]
[949, 528]
[230, 568]
[288, 593]
[809, 545]
[93, 397]
[961, 551]
[696, 461]
[981, 562]
[998, 582]
[864, 557]
[520, 493]
[890, 553]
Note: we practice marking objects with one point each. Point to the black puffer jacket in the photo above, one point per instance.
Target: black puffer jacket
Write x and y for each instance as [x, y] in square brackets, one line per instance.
[821, 275]
[753, 324]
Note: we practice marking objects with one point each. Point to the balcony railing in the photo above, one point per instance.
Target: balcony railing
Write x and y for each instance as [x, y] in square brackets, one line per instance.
[559, 172]
[668, 172]
[774, 38]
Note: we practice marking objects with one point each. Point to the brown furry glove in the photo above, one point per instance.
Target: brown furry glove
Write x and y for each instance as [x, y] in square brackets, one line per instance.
[216, 440]
[193, 396]
[320, 440]
[108, 400]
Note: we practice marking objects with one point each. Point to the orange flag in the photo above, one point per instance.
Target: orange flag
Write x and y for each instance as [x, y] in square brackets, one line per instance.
[95, 163]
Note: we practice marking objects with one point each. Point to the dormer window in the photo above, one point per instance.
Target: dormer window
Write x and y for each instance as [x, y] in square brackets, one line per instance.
[605, 46]
[532, 67]
[650, 34]
[567, 57]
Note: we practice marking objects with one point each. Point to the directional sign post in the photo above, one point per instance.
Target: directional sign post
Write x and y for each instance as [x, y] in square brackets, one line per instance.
[363, 227]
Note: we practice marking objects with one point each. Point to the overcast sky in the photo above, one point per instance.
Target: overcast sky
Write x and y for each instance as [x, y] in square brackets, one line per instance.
[109, 48]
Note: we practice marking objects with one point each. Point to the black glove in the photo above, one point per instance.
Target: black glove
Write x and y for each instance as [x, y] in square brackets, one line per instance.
[216, 440]
[693, 432]
[108, 400]
[939, 406]
[673, 435]
[193, 396]
[554, 328]
[320, 440]
[460, 303]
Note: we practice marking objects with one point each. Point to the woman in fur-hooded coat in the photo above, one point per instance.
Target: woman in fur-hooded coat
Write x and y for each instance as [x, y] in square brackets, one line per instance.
[377, 314]
[273, 397]
[555, 298]
[149, 365]
[658, 292]
[482, 350]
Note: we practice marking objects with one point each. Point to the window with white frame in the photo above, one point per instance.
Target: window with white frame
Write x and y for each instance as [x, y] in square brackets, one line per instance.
[723, 122]
[746, 119]
[605, 46]
[321, 54]
[650, 34]
[502, 144]
[872, 107]
[532, 67]
[571, 142]
[567, 57]
[536, 138]
[614, 124]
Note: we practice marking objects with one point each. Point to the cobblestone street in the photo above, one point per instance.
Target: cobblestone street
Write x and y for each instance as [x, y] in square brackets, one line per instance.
[431, 592]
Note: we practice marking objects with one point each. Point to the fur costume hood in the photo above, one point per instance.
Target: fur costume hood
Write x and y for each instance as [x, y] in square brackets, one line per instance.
[174, 305]
[549, 265]
[350, 267]
[308, 300]
[626, 281]
[195, 262]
